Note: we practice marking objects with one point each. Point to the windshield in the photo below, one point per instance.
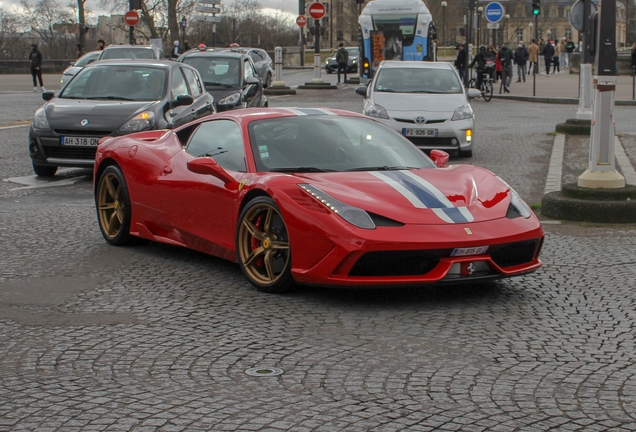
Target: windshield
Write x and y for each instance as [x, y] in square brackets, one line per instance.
[353, 52]
[417, 80]
[129, 53]
[331, 143]
[134, 82]
[83, 61]
[216, 70]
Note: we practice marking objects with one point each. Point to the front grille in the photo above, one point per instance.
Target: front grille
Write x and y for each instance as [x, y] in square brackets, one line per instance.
[82, 132]
[514, 253]
[433, 142]
[70, 152]
[412, 121]
[395, 263]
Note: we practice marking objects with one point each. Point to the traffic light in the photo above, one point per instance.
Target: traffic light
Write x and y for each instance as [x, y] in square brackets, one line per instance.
[536, 7]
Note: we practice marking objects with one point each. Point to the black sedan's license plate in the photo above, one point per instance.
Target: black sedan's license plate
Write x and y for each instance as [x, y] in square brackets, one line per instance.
[79, 141]
[420, 132]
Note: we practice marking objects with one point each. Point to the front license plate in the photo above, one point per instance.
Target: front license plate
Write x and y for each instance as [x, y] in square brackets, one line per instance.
[478, 250]
[420, 132]
[78, 141]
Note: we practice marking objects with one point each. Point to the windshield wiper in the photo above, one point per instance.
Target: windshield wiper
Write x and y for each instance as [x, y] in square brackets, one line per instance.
[300, 169]
[218, 84]
[382, 168]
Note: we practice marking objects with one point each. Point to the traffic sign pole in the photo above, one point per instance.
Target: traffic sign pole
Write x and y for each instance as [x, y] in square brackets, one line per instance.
[317, 11]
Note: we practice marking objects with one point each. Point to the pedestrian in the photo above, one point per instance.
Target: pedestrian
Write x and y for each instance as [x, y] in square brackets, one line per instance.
[493, 65]
[35, 59]
[80, 52]
[556, 59]
[460, 62]
[541, 46]
[100, 44]
[563, 53]
[480, 61]
[342, 58]
[547, 53]
[533, 57]
[569, 47]
[521, 58]
[634, 59]
[175, 51]
[506, 56]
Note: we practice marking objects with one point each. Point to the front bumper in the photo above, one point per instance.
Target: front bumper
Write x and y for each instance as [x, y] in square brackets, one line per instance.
[451, 135]
[45, 149]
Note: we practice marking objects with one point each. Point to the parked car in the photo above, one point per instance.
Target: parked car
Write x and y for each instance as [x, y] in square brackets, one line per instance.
[130, 52]
[262, 61]
[230, 77]
[331, 65]
[314, 196]
[78, 65]
[424, 101]
[111, 98]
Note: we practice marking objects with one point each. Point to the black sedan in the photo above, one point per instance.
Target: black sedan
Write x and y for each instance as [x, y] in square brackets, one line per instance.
[331, 66]
[230, 77]
[112, 98]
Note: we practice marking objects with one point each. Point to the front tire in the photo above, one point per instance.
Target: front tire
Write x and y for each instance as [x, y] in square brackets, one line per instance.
[44, 171]
[262, 247]
[113, 206]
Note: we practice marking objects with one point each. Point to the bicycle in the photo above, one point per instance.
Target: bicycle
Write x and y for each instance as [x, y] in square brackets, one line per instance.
[486, 85]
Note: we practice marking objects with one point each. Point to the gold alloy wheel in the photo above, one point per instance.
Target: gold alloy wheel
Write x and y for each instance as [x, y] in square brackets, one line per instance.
[111, 205]
[263, 244]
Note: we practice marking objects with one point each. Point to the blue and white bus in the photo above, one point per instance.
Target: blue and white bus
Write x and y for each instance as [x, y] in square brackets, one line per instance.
[394, 30]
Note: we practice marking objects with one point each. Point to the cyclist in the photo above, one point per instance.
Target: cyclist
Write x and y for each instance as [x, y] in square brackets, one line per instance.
[480, 59]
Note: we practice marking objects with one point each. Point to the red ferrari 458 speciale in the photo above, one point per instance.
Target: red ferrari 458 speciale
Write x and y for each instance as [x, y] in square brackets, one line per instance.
[313, 196]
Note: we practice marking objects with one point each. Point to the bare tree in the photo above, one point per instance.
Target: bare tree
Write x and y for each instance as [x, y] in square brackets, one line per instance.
[9, 30]
[42, 18]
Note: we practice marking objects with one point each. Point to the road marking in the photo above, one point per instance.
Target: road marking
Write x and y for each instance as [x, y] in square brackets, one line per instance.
[35, 182]
[555, 171]
[15, 126]
[624, 163]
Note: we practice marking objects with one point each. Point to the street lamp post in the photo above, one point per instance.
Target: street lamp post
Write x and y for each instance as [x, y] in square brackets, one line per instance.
[184, 24]
[444, 4]
[480, 10]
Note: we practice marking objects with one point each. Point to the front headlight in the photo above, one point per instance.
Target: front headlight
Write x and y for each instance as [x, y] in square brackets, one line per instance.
[517, 203]
[327, 61]
[138, 123]
[462, 113]
[355, 216]
[40, 121]
[374, 110]
[231, 99]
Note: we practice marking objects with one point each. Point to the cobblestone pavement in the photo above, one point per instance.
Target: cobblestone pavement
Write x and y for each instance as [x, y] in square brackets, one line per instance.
[158, 338]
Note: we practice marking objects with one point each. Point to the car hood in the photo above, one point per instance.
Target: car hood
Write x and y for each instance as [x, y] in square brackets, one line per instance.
[419, 103]
[456, 194]
[101, 115]
[220, 92]
[72, 70]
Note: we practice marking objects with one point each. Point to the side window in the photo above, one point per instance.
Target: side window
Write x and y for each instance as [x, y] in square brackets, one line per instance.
[248, 69]
[179, 85]
[193, 81]
[222, 140]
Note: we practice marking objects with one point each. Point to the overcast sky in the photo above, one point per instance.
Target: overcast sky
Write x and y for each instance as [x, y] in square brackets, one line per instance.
[290, 6]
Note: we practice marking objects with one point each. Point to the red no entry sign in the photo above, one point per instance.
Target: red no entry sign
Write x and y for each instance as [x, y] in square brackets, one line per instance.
[131, 18]
[301, 20]
[317, 10]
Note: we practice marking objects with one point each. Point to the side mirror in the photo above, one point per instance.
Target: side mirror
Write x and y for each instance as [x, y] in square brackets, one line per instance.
[182, 100]
[90, 61]
[207, 166]
[72, 63]
[252, 80]
[48, 95]
[473, 93]
[439, 157]
[362, 89]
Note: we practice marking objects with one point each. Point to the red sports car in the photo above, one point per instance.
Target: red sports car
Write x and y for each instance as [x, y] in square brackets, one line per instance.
[313, 196]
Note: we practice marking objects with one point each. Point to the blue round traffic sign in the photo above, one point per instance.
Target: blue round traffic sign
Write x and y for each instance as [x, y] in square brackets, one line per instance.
[494, 12]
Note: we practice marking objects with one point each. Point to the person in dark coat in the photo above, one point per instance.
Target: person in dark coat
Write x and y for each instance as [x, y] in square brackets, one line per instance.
[507, 57]
[460, 62]
[634, 58]
[548, 53]
[35, 60]
[521, 58]
[480, 61]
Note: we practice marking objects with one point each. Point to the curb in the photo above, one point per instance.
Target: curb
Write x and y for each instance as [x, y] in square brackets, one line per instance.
[562, 101]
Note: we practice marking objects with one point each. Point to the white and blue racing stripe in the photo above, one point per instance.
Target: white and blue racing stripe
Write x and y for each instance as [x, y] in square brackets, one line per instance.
[309, 111]
[423, 194]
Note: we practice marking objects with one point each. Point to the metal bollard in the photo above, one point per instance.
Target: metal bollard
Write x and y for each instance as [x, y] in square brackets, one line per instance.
[278, 64]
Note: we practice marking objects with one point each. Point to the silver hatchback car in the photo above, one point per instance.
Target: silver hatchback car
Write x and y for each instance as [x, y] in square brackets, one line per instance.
[425, 102]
